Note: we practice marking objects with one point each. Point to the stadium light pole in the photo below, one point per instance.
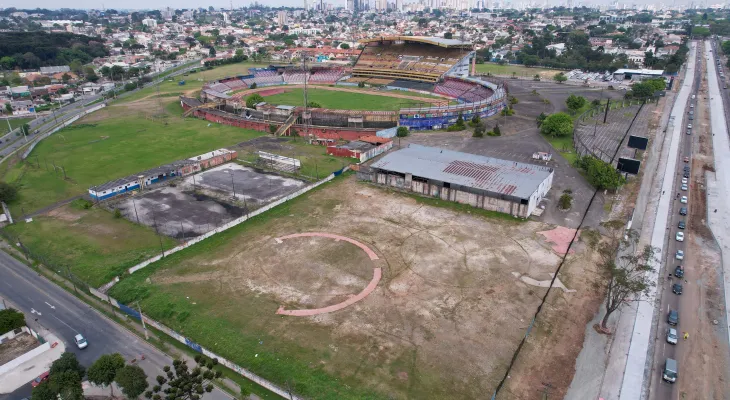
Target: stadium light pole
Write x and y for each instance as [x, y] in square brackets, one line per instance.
[233, 184]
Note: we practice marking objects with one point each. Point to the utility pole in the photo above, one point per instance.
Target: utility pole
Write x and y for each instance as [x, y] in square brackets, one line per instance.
[154, 221]
[141, 318]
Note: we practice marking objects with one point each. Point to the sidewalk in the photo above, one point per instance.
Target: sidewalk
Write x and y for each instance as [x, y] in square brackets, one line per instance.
[600, 366]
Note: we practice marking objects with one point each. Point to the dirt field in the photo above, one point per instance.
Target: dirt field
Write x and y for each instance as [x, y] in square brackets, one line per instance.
[443, 322]
[18, 346]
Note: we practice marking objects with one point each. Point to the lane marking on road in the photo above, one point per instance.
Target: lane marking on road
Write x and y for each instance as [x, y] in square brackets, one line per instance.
[49, 305]
[69, 326]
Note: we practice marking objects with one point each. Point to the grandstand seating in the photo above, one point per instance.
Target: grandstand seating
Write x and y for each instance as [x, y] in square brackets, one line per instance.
[326, 76]
[219, 87]
[465, 91]
[413, 61]
[295, 77]
[267, 77]
[235, 84]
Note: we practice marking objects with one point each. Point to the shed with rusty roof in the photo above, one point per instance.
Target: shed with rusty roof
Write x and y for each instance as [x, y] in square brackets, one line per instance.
[490, 183]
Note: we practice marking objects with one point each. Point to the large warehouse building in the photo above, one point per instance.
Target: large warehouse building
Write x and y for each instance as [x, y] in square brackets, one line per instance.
[484, 182]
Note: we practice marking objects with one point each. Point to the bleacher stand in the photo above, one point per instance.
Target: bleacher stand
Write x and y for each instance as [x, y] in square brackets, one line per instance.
[219, 87]
[428, 87]
[267, 77]
[326, 76]
[235, 84]
[295, 77]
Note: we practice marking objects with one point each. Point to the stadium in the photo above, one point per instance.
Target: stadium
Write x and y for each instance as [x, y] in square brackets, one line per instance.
[422, 83]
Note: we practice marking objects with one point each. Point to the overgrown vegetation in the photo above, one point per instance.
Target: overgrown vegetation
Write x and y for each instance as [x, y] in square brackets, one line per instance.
[32, 50]
[599, 173]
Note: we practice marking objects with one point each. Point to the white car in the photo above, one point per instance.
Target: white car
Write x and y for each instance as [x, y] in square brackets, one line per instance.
[672, 336]
[692, 105]
[693, 97]
[684, 180]
[684, 187]
[683, 200]
[689, 126]
[680, 236]
[679, 255]
[80, 341]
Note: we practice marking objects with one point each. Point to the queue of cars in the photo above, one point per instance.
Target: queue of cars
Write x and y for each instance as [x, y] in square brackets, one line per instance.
[671, 371]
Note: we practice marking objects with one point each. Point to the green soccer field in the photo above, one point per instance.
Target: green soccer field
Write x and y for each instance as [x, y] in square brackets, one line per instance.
[342, 100]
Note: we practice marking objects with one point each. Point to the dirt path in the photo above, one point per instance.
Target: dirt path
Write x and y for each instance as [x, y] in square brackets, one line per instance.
[241, 94]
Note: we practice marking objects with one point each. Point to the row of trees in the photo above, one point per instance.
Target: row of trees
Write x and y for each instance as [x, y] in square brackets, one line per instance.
[179, 381]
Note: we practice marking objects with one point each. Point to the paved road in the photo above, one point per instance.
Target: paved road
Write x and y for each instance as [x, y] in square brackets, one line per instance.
[670, 301]
[28, 291]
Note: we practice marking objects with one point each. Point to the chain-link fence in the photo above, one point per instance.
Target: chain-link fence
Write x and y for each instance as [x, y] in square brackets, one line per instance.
[42, 261]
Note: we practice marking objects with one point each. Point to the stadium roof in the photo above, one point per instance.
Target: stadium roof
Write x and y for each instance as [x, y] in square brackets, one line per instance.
[486, 173]
[652, 72]
[436, 41]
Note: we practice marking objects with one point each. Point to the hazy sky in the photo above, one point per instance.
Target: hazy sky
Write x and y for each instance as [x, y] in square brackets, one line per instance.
[142, 4]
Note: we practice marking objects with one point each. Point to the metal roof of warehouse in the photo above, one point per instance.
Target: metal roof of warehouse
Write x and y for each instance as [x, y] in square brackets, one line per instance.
[485, 173]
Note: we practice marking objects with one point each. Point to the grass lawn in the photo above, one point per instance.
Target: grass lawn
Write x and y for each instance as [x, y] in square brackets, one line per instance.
[112, 143]
[193, 81]
[240, 334]
[14, 123]
[341, 100]
[508, 69]
[315, 161]
[92, 243]
[565, 146]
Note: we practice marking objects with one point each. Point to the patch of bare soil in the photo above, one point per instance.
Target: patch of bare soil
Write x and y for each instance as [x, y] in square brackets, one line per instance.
[66, 214]
[21, 344]
[444, 320]
[547, 361]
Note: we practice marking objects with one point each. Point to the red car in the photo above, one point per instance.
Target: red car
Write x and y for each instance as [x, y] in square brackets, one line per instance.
[40, 379]
[686, 159]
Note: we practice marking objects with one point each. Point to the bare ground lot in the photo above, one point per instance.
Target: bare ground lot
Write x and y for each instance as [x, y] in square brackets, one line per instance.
[443, 322]
[13, 348]
[200, 203]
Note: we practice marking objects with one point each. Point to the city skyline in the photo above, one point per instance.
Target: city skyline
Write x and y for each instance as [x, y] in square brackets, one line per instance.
[189, 4]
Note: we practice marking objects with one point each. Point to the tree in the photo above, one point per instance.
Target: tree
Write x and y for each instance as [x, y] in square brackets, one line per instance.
[565, 201]
[314, 104]
[44, 392]
[253, 99]
[624, 267]
[361, 84]
[117, 72]
[540, 119]
[104, 370]
[211, 51]
[7, 62]
[67, 362]
[132, 380]
[65, 77]
[557, 125]
[448, 35]
[10, 319]
[345, 46]
[8, 109]
[67, 384]
[600, 174]
[497, 131]
[575, 103]
[402, 131]
[560, 77]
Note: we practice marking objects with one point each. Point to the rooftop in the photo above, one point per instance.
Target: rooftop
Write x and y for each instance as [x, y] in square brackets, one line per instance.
[486, 173]
[437, 41]
[657, 72]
